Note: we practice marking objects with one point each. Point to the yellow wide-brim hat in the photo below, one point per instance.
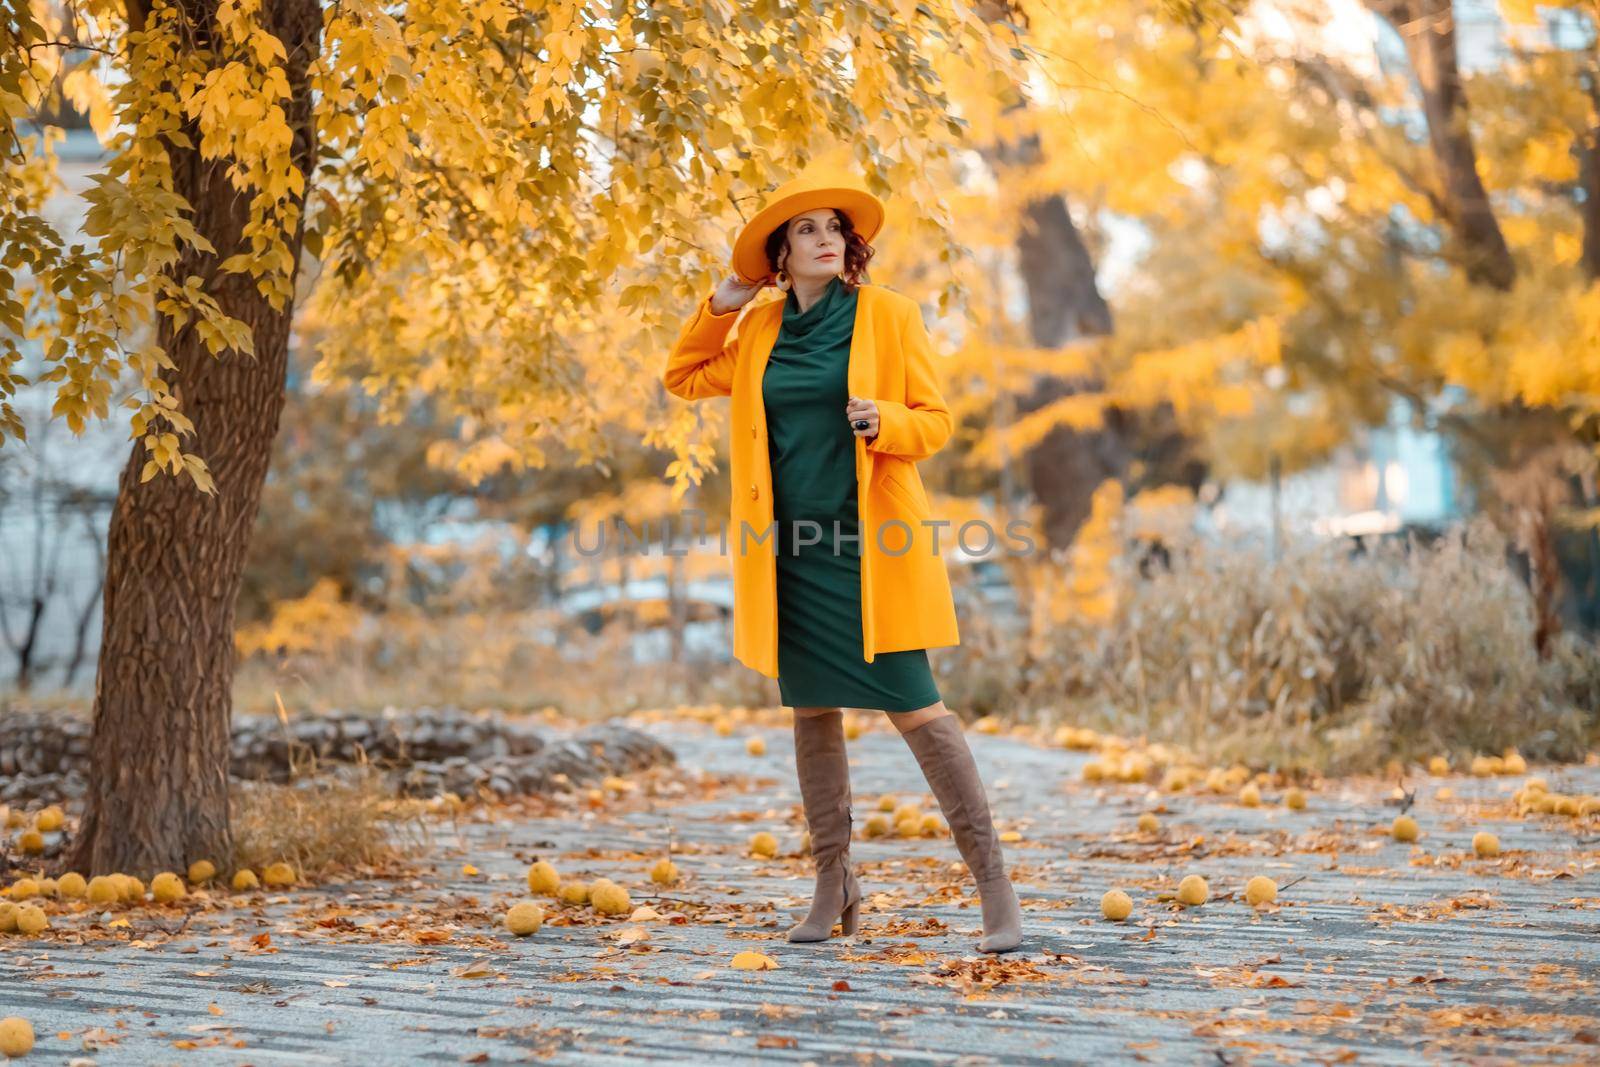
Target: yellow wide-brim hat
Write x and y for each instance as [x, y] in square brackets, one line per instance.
[820, 186]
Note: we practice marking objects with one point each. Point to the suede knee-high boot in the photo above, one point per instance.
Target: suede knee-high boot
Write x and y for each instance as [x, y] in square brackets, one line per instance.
[940, 746]
[824, 773]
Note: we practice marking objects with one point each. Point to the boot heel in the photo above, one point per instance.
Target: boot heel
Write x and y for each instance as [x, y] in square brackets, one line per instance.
[852, 911]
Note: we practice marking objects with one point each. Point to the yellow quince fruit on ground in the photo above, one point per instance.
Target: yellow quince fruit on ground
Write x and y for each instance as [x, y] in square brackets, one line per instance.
[1260, 890]
[524, 918]
[1193, 891]
[543, 878]
[1116, 905]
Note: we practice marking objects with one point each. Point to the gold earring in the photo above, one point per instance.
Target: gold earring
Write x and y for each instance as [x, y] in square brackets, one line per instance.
[783, 280]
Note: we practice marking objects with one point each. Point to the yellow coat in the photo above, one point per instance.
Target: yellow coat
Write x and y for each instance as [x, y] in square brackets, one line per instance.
[906, 601]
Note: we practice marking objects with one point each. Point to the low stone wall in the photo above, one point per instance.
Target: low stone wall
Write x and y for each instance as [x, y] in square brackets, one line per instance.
[583, 757]
[44, 756]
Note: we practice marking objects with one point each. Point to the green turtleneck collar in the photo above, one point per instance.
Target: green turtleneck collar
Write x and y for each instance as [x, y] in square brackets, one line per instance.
[826, 308]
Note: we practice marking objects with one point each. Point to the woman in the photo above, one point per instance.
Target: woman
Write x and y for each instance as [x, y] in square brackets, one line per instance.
[843, 601]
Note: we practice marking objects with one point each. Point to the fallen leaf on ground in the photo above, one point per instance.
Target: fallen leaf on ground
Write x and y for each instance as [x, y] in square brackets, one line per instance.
[754, 961]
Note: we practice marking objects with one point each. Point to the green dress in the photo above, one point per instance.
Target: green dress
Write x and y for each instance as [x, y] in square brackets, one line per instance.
[813, 454]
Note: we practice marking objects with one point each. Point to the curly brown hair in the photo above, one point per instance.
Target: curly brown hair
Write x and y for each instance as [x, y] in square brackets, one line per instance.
[857, 252]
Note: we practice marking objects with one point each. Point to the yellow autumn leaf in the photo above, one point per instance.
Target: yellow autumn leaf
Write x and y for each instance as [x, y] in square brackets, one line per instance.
[754, 961]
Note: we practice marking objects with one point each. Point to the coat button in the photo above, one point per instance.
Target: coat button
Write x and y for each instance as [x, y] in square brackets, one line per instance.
[753, 493]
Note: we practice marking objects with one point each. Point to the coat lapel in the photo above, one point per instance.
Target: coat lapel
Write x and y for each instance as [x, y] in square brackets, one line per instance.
[862, 374]
[765, 340]
[862, 378]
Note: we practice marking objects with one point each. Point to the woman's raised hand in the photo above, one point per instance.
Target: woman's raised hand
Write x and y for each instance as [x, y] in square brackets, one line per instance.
[733, 293]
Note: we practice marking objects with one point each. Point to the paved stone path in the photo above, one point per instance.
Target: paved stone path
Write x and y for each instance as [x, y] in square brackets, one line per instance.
[1378, 952]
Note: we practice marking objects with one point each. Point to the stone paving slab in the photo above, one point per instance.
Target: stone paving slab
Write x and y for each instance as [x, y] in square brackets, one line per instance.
[1378, 952]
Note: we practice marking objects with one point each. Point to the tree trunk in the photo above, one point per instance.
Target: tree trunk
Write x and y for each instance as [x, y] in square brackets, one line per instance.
[1428, 28]
[1544, 565]
[158, 782]
[1064, 304]
[35, 607]
[1064, 301]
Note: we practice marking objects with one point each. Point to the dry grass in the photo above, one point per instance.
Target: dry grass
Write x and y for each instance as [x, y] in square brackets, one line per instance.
[1320, 660]
[342, 820]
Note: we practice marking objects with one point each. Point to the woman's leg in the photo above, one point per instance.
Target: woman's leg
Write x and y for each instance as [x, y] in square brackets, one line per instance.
[910, 720]
[936, 738]
[811, 713]
[824, 771]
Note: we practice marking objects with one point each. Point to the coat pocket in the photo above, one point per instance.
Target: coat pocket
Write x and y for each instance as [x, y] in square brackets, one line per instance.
[909, 495]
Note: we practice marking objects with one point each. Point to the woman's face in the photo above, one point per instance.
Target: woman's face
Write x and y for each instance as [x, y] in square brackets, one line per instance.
[816, 246]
